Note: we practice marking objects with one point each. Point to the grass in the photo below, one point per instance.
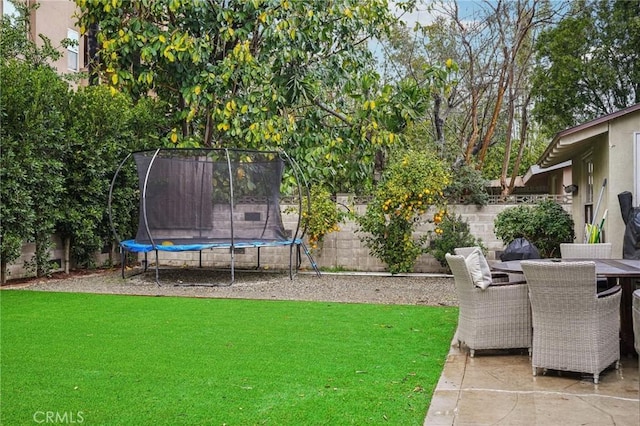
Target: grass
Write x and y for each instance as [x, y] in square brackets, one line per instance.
[130, 360]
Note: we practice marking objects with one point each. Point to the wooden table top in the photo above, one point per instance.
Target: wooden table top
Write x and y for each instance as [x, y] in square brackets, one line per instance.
[604, 267]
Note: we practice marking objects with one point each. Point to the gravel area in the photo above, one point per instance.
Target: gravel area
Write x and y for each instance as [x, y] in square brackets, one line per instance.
[411, 289]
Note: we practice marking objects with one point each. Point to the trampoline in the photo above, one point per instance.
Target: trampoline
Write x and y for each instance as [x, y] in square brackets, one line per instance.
[195, 199]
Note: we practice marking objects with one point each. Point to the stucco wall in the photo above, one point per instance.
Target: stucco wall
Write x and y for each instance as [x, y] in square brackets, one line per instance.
[620, 170]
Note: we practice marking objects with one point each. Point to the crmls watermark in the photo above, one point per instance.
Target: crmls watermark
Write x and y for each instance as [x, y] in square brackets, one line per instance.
[57, 417]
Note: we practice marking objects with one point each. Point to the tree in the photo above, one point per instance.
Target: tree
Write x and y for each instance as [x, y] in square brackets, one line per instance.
[32, 105]
[489, 105]
[411, 185]
[589, 64]
[97, 119]
[32, 101]
[258, 74]
[59, 151]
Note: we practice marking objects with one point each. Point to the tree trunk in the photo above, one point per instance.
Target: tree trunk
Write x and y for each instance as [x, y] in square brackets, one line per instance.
[3, 271]
[67, 254]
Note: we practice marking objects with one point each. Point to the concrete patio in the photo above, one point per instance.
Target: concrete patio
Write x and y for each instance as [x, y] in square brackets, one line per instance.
[498, 388]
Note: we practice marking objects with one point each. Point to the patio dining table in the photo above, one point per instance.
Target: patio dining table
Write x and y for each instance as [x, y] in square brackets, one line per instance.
[627, 272]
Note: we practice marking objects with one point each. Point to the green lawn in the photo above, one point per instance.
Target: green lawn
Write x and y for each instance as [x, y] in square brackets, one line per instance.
[130, 360]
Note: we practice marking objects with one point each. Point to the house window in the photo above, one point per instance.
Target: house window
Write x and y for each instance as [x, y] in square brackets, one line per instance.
[72, 50]
[588, 193]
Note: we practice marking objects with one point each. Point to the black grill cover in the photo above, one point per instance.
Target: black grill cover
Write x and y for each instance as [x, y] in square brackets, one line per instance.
[520, 249]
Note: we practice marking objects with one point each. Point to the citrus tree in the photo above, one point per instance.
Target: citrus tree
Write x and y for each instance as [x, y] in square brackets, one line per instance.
[411, 185]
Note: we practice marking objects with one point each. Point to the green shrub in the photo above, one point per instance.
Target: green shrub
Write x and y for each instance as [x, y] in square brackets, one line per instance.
[545, 225]
[323, 216]
[451, 232]
[467, 187]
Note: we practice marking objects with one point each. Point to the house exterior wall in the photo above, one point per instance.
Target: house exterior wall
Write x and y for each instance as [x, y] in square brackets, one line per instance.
[52, 19]
[612, 152]
[622, 166]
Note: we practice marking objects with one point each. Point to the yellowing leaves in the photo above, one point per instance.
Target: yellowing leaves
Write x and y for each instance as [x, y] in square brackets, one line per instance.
[197, 90]
[162, 38]
[169, 54]
[174, 135]
[242, 52]
[231, 106]
[174, 5]
[348, 13]
[369, 105]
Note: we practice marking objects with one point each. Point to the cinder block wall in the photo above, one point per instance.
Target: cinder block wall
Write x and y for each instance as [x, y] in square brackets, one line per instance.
[341, 250]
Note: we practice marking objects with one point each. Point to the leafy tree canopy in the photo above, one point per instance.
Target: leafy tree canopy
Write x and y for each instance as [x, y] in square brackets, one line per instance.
[589, 64]
[285, 74]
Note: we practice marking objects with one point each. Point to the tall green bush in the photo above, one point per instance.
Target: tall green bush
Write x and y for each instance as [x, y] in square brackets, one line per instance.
[32, 102]
[451, 232]
[60, 149]
[104, 122]
[412, 183]
[545, 225]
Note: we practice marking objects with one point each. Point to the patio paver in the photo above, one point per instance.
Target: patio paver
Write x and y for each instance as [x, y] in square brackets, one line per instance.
[497, 388]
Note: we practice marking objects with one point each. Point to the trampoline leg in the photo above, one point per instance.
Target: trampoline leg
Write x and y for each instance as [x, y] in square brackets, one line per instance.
[313, 262]
[123, 256]
[291, 262]
[157, 266]
[258, 265]
[233, 265]
[200, 253]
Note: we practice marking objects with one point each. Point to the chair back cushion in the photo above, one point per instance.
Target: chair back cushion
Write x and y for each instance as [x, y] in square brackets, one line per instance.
[479, 269]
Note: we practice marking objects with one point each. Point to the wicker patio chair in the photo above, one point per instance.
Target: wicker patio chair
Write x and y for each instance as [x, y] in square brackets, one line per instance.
[497, 317]
[574, 327]
[590, 251]
[636, 320]
[585, 251]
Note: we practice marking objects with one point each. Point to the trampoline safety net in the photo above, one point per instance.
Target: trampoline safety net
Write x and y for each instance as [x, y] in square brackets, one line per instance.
[196, 199]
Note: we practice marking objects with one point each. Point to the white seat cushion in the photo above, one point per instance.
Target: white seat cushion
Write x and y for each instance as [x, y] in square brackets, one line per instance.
[479, 269]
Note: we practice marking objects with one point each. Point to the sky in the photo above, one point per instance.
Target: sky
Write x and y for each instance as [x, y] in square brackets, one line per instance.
[467, 9]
